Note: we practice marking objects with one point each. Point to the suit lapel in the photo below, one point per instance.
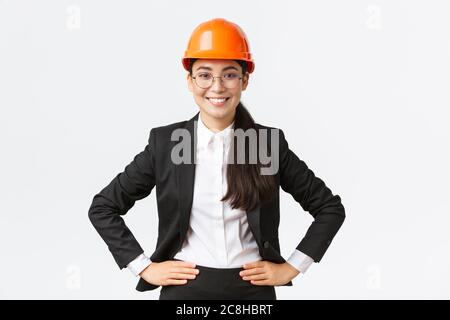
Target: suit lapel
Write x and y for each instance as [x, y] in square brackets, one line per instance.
[185, 181]
[253, 219]
[185, 184]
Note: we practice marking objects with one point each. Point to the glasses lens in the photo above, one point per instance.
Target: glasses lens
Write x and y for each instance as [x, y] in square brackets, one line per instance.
[204, 80]
[230, 80]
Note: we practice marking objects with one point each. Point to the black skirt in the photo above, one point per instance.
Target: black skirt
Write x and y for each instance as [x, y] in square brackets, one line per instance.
[217, 284]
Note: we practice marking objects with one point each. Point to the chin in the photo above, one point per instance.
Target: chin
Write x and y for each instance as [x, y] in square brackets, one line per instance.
[216, 112]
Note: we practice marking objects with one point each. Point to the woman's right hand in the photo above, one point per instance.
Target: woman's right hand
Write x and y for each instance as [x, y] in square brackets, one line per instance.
[171, 272]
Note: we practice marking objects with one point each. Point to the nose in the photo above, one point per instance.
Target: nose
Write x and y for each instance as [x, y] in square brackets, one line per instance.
[217, 85]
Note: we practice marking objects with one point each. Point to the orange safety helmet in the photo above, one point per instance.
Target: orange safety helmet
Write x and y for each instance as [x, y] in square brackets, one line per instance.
[218, 39]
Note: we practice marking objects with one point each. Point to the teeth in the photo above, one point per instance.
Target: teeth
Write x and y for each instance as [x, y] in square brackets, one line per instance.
[217, 100]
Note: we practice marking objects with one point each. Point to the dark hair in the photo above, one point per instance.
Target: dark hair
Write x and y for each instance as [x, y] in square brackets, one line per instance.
[246, 186]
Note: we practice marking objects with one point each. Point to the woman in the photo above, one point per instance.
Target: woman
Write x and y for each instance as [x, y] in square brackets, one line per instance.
[218, 215]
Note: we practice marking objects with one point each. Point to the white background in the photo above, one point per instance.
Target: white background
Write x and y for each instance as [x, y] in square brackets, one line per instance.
[360, 88]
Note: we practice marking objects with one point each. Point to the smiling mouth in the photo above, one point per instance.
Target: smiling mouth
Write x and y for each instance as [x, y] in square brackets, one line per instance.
[221, 98]
[217, 101]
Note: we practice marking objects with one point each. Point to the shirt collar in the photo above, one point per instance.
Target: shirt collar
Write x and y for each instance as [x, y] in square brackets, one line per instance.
[205, 135]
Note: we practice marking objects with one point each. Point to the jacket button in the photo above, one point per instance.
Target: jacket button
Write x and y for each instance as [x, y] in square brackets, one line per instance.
[266, 244]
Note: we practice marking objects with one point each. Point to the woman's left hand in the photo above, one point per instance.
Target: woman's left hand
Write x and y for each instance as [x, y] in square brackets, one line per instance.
[266, 273]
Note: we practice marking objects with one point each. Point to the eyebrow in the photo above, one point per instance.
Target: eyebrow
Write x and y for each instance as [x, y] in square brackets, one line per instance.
[226, 68]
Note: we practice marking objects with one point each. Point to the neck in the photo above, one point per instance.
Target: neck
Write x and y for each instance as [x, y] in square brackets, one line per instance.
[215, 124]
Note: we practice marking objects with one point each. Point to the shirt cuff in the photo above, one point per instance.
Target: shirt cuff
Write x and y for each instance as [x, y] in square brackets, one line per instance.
[300, 261]
[139, 264]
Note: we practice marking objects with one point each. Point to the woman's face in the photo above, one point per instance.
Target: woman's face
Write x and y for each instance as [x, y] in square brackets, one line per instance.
[210, 109]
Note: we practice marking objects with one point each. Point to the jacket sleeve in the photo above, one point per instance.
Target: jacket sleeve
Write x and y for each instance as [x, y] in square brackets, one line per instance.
[134, 183]
[315, 197]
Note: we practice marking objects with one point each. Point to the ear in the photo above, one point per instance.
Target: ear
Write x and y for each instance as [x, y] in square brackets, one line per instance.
[245, 79]
[189, 83]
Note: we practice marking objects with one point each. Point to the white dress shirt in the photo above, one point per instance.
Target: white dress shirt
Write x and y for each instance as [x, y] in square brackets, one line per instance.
[218, 236]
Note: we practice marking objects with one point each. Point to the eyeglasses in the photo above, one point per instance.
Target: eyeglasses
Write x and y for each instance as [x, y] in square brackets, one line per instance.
[205, 80]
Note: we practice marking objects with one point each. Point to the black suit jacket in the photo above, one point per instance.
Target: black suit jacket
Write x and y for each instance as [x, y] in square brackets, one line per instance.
[174, 191]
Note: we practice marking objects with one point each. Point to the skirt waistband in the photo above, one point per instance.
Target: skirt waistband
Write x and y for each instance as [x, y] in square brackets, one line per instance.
[222, 270]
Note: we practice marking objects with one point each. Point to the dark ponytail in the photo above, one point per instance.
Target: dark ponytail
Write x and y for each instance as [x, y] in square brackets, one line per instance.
[246, 186]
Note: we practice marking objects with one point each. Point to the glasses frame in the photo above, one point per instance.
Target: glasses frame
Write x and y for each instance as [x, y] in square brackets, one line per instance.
[212, 82]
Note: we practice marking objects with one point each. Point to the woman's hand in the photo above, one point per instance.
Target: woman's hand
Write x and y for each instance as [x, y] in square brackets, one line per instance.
[266, 273]
[169, 272]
